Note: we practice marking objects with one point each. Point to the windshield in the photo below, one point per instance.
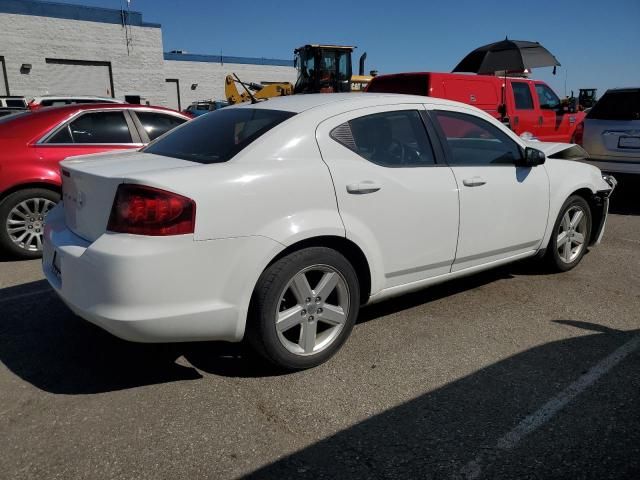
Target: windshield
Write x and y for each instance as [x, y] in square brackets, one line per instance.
[217, 136]
[617, 105]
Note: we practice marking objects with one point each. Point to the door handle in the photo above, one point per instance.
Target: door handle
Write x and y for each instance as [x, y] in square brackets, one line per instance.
[473, 182]
[365, 186]
[540, 120]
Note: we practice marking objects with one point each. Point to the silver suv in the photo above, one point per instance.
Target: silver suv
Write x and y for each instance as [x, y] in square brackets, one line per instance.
[612, 131]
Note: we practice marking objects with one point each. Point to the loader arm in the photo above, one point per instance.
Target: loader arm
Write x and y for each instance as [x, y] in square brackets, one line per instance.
[261, 91]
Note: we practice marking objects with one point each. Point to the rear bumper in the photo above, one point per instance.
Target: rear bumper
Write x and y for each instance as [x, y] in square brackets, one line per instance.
[155, 289]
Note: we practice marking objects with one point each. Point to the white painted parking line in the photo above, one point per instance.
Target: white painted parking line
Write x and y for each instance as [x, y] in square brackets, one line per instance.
[473, 469]
[26, 295]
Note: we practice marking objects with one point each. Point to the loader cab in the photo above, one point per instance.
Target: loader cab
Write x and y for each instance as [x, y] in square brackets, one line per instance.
[587, 97]
[323, 69]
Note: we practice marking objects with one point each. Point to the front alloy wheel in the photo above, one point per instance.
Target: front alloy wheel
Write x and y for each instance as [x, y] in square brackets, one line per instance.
[303, 308]
[570, 235]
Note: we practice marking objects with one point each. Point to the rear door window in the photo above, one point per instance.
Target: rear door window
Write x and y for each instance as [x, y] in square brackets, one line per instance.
[218, 136]
[617, 105]
[389, 139]
[156, 124]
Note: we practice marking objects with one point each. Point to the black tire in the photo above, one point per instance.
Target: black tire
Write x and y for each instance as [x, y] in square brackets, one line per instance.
[267, 300]
[554, 260]
[7, 205]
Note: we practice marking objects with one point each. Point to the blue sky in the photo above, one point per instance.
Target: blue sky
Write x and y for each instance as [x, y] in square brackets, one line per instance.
[596, 42]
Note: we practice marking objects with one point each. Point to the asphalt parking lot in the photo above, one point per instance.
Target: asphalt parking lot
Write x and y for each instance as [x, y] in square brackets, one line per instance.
[514, 373]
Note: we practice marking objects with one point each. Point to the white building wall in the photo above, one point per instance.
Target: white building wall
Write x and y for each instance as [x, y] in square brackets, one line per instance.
[210, 76]
[32, 39]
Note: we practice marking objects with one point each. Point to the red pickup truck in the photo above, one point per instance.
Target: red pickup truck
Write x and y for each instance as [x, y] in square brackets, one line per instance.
[527, 106]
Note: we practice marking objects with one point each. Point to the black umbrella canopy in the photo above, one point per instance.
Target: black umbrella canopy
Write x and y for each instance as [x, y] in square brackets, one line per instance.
[507, 55]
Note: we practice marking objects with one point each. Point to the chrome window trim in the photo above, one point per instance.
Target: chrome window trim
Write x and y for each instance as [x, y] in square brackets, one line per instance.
[134, 131]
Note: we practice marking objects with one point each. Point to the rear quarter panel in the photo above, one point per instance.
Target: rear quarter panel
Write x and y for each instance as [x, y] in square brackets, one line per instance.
[278, 187]
[20, 165]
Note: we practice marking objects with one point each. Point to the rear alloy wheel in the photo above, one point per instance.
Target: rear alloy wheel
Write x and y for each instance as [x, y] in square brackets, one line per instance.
[304, 308]
[571, 234]
[22, 216]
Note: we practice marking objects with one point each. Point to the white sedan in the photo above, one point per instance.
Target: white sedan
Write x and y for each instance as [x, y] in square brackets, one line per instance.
[276, 221]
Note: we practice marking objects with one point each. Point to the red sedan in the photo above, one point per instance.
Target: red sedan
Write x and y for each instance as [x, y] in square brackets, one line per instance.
[33, 143]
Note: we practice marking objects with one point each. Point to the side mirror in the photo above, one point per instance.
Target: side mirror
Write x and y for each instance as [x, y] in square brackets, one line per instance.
[533, 157]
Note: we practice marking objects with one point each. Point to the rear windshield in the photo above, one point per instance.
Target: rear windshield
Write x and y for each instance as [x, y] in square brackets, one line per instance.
[617, 105]
[218, 136]
[407, 84]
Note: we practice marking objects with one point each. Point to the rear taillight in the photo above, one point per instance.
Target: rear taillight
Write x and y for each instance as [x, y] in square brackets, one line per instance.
[143, 210]
[578, 135]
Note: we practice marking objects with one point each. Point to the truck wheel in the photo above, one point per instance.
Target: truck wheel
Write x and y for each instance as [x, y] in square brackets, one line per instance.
[22, 215]
[570, 235]
[303, 308]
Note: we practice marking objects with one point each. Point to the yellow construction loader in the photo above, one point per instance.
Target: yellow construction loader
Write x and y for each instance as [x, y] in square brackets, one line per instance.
[321, 69]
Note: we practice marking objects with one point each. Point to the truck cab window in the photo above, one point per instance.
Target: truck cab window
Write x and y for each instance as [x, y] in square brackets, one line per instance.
[547, 97]
[522, 96]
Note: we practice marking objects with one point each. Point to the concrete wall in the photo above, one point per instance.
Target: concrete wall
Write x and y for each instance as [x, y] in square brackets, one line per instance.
[33, 31]
[32, 39]
[210, 77]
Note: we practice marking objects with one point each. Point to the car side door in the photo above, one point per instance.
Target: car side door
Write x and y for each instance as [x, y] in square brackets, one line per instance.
[393, 195]
[503, 205]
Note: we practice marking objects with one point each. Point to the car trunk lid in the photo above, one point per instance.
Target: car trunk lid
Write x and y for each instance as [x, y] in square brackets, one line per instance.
[89, 185]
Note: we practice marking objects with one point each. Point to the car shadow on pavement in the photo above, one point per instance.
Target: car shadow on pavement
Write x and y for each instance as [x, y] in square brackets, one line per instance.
[625, 199]
[45, 344]
[454, 431]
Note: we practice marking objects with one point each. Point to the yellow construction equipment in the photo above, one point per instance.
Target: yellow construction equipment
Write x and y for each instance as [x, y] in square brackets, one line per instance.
[321, 69]
[261, 91]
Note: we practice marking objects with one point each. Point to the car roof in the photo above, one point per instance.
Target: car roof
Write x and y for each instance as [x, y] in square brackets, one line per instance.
[103, 106]
[32, 124]
[76, 97]
[301, 103]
